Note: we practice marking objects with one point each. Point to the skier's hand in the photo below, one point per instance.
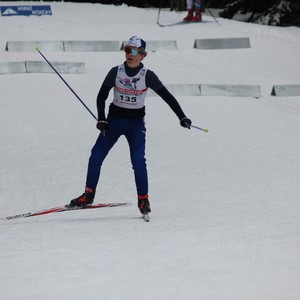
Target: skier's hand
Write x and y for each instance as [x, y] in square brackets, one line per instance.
[103, 127]
[186, 123]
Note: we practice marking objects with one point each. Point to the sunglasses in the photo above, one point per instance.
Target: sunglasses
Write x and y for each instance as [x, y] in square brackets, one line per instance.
[132, 51]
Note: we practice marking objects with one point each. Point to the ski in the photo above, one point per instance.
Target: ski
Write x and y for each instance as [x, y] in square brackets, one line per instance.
[177, 23]
[62, 209]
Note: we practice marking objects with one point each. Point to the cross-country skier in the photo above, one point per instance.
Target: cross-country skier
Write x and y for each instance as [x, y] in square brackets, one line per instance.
[193, 6]
[130, 82]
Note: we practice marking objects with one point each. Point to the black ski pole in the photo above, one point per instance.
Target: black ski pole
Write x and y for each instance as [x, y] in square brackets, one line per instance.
[159, 9]
[38, 50]
[212, 15]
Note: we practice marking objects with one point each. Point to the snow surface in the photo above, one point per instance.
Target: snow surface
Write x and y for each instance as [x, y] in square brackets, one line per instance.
[226, 213]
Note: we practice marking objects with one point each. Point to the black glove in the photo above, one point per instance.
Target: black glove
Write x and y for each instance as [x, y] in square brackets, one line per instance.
[186, 123]
[103, 127]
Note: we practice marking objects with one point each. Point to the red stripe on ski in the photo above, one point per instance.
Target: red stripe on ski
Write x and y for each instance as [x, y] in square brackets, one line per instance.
[47, 211]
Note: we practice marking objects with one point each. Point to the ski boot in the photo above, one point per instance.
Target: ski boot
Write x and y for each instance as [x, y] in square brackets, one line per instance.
[144, 205]
[197, 17]
[85, 199]
[189, 16]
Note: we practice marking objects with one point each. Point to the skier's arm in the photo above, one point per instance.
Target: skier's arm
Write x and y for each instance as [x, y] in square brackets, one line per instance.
[107, 85]
[171, 101]
[155, 84]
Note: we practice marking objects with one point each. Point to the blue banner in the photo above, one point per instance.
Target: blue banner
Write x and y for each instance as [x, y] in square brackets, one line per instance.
[26, 10]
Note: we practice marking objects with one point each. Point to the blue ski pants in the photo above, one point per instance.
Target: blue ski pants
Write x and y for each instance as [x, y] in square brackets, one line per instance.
[135, 132]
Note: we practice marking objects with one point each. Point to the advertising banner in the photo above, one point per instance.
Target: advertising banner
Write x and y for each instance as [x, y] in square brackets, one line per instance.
[26, 10]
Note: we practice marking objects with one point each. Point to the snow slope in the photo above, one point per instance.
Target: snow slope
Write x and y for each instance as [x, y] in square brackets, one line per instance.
[225, 221]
